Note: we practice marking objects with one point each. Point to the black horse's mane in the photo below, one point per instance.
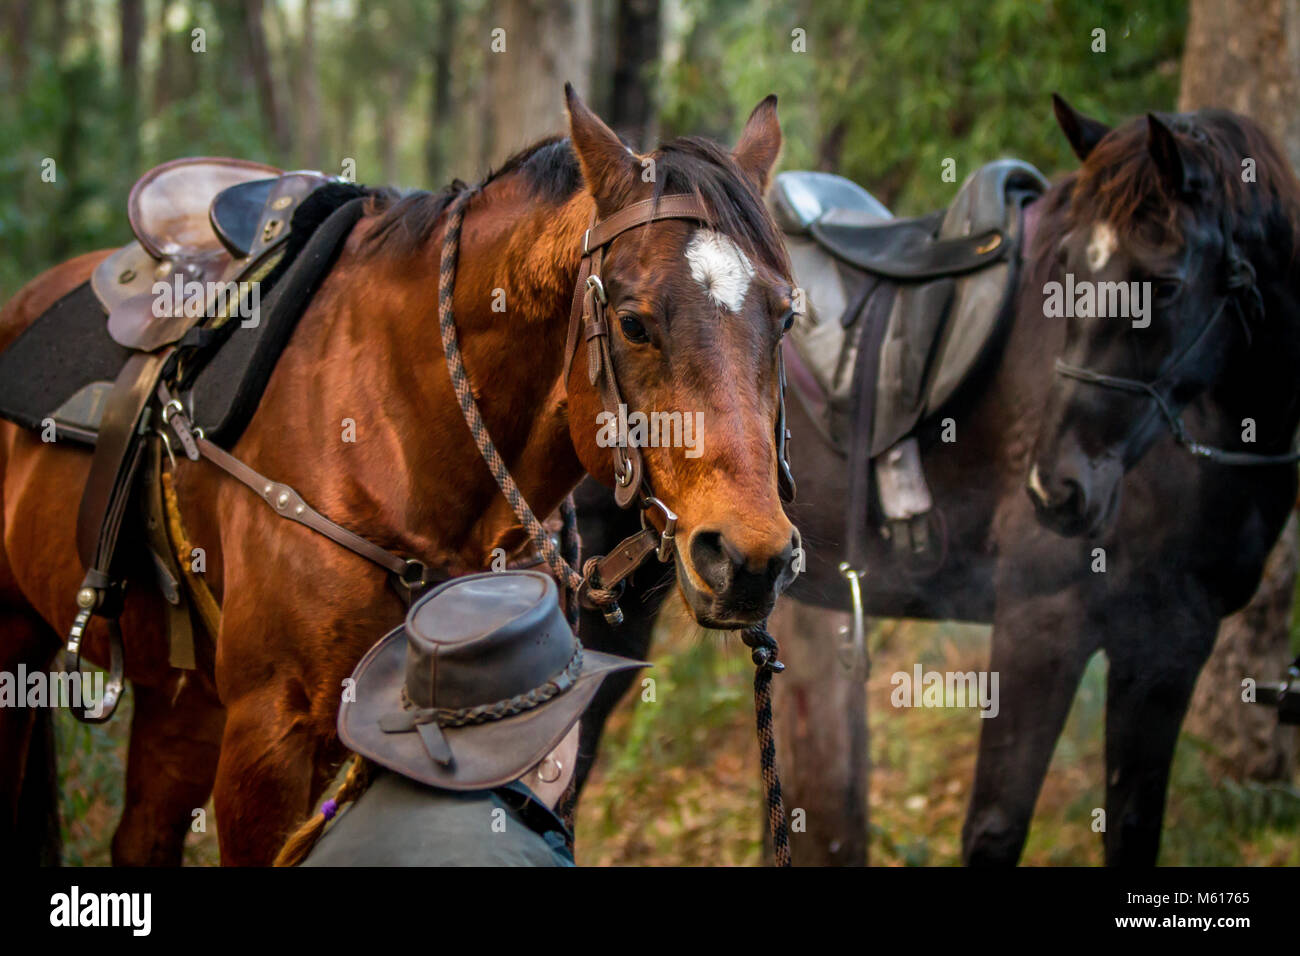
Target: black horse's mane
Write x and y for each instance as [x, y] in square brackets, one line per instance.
[689, 164]
[1119, 183]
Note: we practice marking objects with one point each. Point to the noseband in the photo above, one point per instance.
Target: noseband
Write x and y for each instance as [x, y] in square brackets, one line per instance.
[1241, 286]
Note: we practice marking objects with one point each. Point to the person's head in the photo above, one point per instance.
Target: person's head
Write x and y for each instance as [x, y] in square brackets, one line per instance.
[484, 685]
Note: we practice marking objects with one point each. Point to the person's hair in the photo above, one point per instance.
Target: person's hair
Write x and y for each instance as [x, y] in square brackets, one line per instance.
[296, 848]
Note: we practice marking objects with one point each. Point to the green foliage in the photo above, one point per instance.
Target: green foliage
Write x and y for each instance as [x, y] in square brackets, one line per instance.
[888, 89]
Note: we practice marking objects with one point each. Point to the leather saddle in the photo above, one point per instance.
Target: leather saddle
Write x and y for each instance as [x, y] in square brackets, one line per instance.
[217, 223]
[898, 312]
[200, 220]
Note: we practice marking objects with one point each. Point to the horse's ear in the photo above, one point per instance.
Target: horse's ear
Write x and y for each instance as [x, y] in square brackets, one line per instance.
[760, 142]
[608, 167]
[1083, 132]
[1178, 169]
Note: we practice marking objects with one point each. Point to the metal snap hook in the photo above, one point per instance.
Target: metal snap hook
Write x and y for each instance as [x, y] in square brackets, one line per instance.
[667, 537]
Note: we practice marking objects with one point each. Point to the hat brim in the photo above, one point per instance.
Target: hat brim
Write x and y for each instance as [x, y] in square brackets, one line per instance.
[484, 755]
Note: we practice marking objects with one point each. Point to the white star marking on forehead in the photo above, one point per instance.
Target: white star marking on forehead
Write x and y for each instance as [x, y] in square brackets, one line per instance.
[721, 267]
[1101, 246]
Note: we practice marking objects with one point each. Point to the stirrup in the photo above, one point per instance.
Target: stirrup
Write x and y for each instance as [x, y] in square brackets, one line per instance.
[88, 599]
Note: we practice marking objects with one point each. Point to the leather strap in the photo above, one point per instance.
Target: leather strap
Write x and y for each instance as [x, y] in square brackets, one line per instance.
[678, 206]
[287, 503]
[588, 318]
[117, 454]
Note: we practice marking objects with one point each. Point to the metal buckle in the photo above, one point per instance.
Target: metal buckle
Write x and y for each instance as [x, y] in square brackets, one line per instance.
[413, 567]
[167, 410]
[667, 537]
[623, 475]
[593, 282]
[585, 250]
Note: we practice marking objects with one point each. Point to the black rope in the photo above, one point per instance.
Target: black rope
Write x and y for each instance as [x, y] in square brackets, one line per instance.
[766, 664]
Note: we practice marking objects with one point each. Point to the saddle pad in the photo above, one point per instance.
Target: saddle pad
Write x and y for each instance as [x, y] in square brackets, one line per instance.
[67, 349]
[228, 389]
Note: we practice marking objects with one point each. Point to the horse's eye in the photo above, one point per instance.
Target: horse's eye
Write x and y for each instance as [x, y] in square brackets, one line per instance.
[1166, 290]
[633, 330]
[787, 322]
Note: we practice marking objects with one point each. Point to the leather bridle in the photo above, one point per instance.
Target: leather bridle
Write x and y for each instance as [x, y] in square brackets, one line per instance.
[601, 579]
[1244, 297]
[588, 318]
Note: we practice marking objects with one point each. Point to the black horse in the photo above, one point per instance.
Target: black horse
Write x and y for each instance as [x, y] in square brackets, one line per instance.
[1133, 437]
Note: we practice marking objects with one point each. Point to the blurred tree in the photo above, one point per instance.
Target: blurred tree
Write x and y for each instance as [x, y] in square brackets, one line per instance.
[259, 55]
[307, 108]
[441, 101]
[542, 45]
[1250, 64]
[882, 91]
[131, 29]
[631, 95]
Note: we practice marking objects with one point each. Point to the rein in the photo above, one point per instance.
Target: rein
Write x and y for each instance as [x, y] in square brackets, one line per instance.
[1241, 284]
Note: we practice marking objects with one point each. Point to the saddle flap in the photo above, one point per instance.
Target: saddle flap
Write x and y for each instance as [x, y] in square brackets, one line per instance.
[908, 249]
[168, 207]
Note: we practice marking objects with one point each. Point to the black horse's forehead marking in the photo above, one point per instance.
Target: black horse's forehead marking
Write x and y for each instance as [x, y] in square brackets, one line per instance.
[1102, 243]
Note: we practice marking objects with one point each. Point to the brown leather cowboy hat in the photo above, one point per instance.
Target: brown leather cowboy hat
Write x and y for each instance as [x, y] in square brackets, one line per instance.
[482, 681]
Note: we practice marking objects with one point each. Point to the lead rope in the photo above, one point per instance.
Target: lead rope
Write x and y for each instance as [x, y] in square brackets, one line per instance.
[564, 572]
[766, 664]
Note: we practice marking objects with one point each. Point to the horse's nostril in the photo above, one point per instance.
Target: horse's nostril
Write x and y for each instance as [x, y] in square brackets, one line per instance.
[1061, 494]
[1069, 498]
[711, 557]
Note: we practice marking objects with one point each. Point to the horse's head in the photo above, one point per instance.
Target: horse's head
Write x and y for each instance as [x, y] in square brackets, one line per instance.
[697, 312]
[1141, 251]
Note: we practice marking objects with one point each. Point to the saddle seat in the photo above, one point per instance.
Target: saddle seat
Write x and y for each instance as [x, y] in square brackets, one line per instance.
[919, 299]
[169, 208]
[196, 220]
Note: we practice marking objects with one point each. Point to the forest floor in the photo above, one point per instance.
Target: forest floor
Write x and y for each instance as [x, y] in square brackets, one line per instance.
[679, 784]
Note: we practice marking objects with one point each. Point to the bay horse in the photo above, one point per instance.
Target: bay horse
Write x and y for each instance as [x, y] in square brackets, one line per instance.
[1054, 461]
[701, 310]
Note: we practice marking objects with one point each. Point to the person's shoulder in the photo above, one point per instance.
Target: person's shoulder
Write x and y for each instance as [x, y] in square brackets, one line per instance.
[400, 822]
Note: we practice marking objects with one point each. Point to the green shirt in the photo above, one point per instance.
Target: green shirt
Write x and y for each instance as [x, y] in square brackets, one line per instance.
[400, 822]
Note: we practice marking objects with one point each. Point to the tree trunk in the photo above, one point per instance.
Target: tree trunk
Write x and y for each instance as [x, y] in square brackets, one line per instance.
[1248, 61]
[131, 19]
[18, 26]
[632, 106]
[436, 160]
[547, 43]
[819, 711]
[307, 108]
[259, 55]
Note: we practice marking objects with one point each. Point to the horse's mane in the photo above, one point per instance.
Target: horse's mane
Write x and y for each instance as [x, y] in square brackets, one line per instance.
[1119, 183]
[689, 164]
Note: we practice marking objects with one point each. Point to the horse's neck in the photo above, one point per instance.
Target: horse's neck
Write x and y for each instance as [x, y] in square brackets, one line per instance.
[1263, 384]
[518, 264]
